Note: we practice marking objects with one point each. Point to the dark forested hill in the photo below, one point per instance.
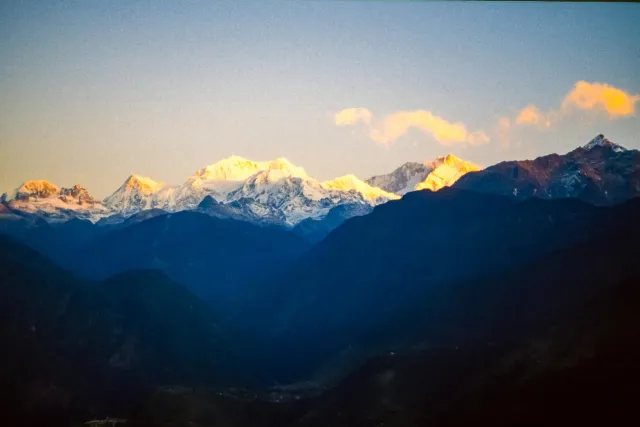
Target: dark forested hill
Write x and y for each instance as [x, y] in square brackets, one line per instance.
[74, 348]
[375, 266]
[211, 256]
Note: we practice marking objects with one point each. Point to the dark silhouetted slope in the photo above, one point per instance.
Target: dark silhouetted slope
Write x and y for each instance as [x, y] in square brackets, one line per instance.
[73, 348]
[377, 265]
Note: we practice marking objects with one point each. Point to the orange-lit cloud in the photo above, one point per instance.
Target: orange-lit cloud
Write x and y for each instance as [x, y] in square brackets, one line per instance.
[584, 96]
[587, 96]
[397, 124]
[529, 115]
[351, 116]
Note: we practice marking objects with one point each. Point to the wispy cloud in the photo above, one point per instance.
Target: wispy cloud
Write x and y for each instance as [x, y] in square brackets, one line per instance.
[397, 124]
[351, 116]
[478, 137]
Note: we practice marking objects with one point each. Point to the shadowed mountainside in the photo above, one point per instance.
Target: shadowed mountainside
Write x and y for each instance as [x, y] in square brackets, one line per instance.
[76, 348]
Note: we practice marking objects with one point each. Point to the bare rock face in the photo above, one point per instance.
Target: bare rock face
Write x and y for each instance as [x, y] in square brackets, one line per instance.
[77, 194]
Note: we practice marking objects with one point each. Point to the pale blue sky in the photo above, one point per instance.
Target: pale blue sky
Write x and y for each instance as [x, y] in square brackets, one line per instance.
[92, 90]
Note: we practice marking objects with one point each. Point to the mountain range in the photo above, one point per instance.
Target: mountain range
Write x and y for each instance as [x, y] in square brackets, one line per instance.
[274, 192]
[338, 302]
[441, 301]
[282, 194]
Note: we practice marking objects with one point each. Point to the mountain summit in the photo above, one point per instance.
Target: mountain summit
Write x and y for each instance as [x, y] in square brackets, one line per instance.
[433, 175]
[47, 200]
[270, 192]
[133, 194]
[600, 172]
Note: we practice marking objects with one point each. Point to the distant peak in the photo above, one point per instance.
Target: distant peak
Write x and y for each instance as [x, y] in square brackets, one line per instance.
[348, 177]
[351, 182]
[143, 183]
[280, 163]
[38, 183]
[232, 168]
[232, 160]
[343, 181]
[452, 158]
[601, 141]
[38, 188]
[453, 161]
[286, 168]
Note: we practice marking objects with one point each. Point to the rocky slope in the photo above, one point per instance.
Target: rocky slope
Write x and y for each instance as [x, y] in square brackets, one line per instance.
[600, 172]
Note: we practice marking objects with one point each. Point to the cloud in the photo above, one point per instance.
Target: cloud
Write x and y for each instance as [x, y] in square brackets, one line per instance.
[351, 116]
[478, 138]
[397, 124]
[584, 96]
[587, 96]
[529, 115]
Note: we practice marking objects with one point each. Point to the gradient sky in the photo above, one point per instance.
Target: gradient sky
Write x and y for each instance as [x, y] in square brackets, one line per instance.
[93, 90]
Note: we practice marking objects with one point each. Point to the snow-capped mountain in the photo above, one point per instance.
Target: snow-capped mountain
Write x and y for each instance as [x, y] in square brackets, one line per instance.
[434, 175]
[285, 193]
[401, 180]
[444, 172]
[352, 183]
[216, 180]
[134, 195]
[272, 192]
[601, 141]
[47, 200]
[599, 172]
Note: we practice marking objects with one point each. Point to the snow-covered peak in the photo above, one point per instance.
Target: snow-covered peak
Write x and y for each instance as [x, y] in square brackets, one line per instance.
[143, 184]
[234, 168]
[48, 200]
[433, 175]
[134, 194]
[601, 141]
[453, 161]
[445, 171]
[38, 189]
[287, 168]
[277, 170]
[352, 183]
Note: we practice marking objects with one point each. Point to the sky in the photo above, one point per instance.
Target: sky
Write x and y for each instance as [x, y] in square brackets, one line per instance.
[92, 91]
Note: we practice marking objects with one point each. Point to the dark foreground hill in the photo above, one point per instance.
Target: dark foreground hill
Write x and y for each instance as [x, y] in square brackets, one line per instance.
[427, 246]
[74, 349]
[552, 343]
[212, 257]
